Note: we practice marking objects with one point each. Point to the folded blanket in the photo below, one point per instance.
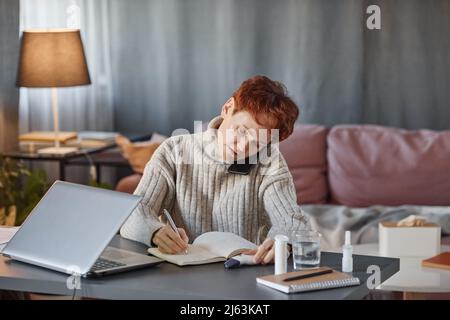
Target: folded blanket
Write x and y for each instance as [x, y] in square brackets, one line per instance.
[331, 220]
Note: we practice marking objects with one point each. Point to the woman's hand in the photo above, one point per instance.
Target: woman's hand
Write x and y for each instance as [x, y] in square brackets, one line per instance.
[265, 253]
[169, 242]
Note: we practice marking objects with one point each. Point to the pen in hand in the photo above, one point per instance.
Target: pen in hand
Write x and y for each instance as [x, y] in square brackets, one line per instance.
[172, 225]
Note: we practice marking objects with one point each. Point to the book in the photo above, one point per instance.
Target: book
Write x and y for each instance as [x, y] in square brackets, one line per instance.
[105, 136]
[208, 248]
[335, 279]
[441, 261]
[34, 146]
[47, 136]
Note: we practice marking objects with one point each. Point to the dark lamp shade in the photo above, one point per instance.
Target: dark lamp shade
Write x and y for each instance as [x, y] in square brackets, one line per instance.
[52, 58]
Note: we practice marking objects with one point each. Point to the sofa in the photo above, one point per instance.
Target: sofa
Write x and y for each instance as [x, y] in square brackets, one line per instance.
[362, 166]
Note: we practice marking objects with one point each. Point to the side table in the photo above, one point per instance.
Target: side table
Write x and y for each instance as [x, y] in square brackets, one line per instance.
[107, 155]
[415, 281]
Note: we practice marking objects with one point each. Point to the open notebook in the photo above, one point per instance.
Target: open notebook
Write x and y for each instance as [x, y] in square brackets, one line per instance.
[208, 248]
[335, 279]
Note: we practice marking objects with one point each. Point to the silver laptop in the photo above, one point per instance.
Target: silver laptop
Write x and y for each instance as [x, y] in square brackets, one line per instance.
[70, 228]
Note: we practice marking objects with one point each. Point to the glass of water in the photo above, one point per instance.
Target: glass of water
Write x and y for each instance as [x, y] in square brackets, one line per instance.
[306, 249]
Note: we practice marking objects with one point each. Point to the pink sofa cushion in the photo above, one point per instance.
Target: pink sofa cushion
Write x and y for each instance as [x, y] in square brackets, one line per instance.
[370, 165]
[129, 183]
[305, 154]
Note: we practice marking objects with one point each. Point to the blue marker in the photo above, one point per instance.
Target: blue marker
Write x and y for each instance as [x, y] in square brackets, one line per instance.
[237, 261]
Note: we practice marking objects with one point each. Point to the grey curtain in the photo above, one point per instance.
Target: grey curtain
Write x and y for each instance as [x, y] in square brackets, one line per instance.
[9, 95]
[176, 61]
[80, 108]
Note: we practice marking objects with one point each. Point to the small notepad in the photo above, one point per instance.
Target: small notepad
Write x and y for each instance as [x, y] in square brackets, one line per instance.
[335, 279]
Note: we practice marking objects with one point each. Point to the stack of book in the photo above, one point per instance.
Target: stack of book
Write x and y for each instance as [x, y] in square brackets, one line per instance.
[35, 140]
[440, 261]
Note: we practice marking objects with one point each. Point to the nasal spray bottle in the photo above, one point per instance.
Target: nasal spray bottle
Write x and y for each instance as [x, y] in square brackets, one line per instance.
[347, 252]
[281, 253]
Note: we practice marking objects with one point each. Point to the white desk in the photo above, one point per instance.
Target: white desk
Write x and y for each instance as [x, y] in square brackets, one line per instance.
[412, 279]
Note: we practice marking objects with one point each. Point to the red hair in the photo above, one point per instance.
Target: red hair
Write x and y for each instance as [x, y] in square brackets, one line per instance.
[267, 101]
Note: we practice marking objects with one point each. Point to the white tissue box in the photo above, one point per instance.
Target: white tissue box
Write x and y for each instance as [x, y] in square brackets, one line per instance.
[400, 241]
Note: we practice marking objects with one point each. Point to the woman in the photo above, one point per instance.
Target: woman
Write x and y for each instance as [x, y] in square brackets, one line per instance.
[195, 177]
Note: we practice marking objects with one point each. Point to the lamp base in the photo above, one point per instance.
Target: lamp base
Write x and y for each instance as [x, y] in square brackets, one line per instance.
[57, 150]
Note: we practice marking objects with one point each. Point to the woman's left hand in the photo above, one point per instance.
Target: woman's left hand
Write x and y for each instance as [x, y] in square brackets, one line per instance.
[265, 253]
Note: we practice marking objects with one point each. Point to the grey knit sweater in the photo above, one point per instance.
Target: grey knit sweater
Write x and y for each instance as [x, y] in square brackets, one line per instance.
[186, 177]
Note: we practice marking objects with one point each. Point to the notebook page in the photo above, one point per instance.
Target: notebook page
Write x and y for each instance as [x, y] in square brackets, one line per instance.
[195, 255]
[224, 244]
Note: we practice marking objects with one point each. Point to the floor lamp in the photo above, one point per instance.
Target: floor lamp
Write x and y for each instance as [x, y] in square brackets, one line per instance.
[52, 58]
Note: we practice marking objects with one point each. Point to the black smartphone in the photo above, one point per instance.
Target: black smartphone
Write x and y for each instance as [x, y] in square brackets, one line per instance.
[240, 168]
[244, 168]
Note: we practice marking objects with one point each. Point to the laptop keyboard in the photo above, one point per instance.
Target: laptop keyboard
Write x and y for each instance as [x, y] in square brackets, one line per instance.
[102, 264]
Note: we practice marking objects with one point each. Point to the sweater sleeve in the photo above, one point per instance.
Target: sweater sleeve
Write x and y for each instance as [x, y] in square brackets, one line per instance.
[280, 200]
[280, 204]
[157, 187]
